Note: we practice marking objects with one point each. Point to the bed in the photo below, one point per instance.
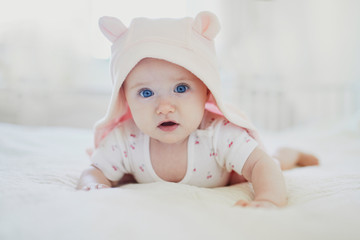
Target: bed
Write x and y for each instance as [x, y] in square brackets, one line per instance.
[40, 166]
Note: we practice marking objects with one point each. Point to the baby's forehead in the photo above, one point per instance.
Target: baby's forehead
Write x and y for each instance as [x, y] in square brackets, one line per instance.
[151, 63]
[153, 66]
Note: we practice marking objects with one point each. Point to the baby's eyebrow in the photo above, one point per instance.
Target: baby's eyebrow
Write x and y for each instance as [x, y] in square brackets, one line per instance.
[185, 78]
[138, 85]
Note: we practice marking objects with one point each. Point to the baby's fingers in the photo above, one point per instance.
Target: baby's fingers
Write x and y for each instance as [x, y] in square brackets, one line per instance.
[255, 204]
[262, 204]
[95, 186]
[242, 203]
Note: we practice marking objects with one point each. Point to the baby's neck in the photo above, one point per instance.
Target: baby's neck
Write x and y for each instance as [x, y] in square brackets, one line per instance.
[169, 161]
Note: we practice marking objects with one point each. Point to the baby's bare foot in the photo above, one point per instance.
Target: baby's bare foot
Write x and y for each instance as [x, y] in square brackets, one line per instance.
[290, 158]
[306, 159]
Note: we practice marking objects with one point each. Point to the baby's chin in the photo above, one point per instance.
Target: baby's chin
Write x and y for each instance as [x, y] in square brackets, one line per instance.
[170, 139]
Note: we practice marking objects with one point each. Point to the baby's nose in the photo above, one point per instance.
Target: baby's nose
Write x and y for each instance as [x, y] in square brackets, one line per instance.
[165, 107]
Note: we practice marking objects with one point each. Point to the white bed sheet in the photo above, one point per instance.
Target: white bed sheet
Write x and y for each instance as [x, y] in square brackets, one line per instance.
[39, 168]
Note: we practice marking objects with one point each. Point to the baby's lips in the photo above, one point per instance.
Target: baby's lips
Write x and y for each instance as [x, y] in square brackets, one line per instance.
[167, 123]
[168, 126]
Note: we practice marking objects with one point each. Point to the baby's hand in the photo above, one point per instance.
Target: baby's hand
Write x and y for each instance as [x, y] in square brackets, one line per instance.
[256, 204]
[95, 186]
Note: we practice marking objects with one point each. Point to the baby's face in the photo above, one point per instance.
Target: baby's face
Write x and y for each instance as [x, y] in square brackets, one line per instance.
[166, 101]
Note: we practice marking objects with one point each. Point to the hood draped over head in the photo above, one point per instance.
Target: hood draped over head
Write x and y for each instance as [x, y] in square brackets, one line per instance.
[186, 42]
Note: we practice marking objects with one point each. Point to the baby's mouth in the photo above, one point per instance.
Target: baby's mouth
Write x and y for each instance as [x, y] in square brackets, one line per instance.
[168, 126]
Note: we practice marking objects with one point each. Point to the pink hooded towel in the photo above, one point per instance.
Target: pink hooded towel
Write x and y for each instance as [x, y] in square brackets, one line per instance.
[186, 42]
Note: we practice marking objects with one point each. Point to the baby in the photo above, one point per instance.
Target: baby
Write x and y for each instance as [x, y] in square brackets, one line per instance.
[167, 121]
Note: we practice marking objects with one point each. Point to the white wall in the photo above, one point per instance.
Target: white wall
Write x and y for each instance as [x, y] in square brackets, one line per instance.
[295, 62]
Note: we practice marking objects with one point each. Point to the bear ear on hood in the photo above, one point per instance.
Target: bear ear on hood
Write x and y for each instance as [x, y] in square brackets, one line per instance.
[207, 24]
[111, 27]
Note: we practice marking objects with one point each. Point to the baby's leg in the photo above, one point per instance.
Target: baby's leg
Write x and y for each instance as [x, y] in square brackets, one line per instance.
[290, 158]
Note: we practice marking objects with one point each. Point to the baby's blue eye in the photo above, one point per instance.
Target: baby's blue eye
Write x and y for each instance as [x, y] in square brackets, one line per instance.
[181, 88]
[146, 93]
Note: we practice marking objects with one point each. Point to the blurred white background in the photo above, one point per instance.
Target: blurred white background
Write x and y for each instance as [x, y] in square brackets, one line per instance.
[286, 62]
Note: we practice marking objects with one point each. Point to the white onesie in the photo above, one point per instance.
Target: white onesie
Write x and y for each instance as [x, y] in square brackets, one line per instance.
[214, 150]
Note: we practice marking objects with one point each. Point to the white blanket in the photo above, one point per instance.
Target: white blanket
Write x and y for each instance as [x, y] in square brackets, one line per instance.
[40, 166]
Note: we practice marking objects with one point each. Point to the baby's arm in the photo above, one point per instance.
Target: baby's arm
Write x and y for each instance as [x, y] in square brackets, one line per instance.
[93, 178]
[267, 180]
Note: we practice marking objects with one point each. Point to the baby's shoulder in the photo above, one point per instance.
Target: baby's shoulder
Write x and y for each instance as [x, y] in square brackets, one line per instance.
[219, 123]
[127, 126]
[210, 120]
[123, 132]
